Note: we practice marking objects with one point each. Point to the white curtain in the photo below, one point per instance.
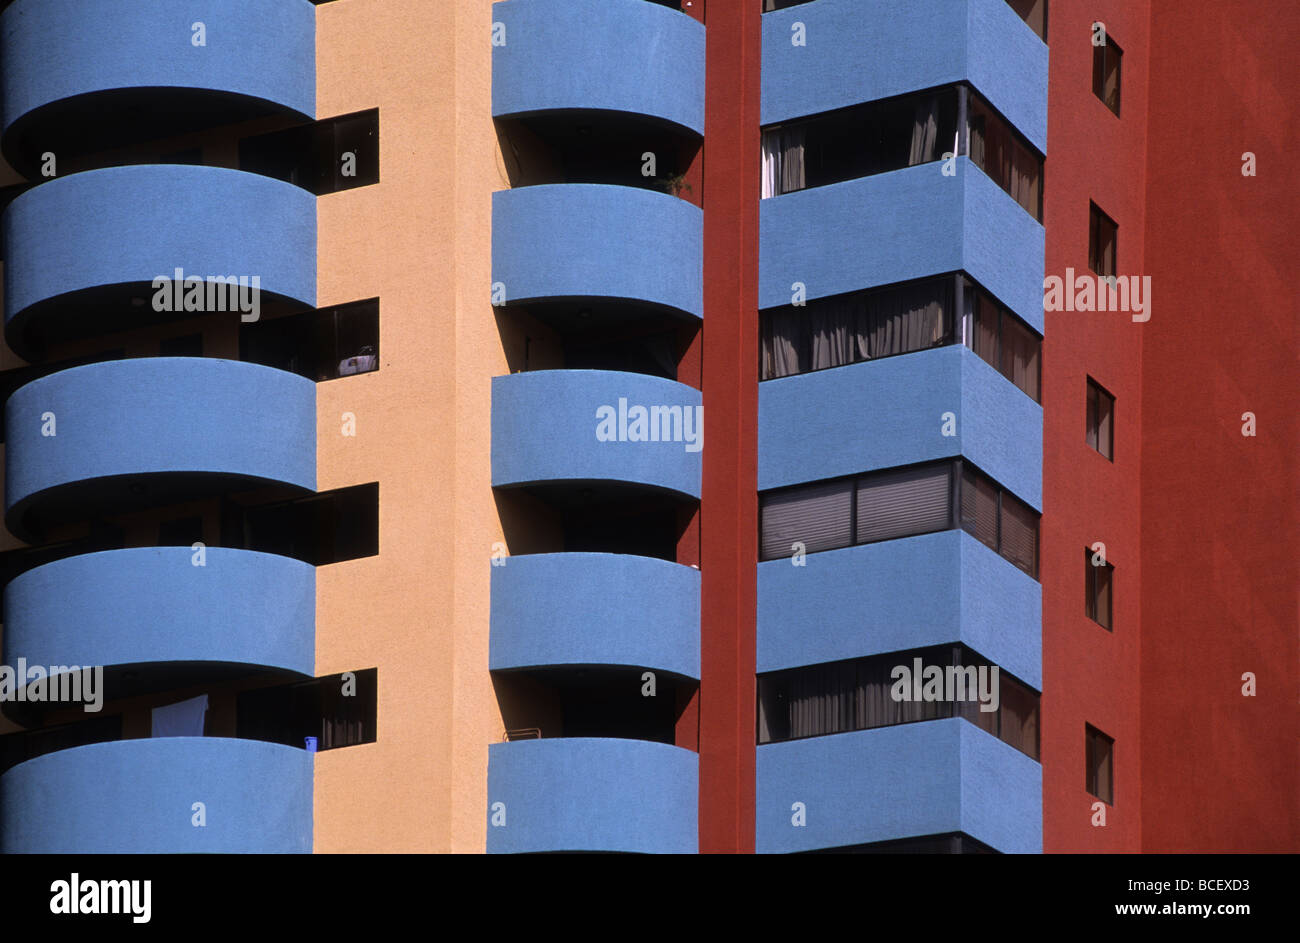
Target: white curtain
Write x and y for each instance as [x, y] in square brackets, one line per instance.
[783, 161]
[183, 719]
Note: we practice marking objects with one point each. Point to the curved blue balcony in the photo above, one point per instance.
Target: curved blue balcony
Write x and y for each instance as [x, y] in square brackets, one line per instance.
[915, 779]
[590, 794]
[900, 594]
[153, 606]
[590, 240]
[803, 434]
[136, 433]
[595, 609]
[606, 55]
[863, 50]
[138, 796]
[84, 75]
[83, 251]
[556, 426]
[901, 225]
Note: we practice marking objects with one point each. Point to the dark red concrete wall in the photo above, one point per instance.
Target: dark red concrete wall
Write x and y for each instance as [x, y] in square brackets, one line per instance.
[1221, 772]
[1090, 675]
[729, 502]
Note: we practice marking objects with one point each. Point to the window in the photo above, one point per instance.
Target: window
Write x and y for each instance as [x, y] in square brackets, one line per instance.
[1099, 750]
[1103, 235]
[1002, 340]
[188, 345]
[843, 696]
[325, 528]
[184, 532]
[900, 132]
[770, 5]
[953, 843]
[898, 502]
[899, 319]
[1100, 431]
[319, 345]
[858, 326]
[1105, 70]
[1034, 13]
[859, 141]
[998, 150]
[326, 157]
[1097, 582]
[335, 712]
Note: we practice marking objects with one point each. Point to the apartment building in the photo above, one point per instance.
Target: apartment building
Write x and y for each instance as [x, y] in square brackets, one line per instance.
[638, 426]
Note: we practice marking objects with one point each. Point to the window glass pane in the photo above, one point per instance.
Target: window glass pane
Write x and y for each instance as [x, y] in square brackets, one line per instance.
[1019, 533]
[818, 516]
[979, 507]
[1110, 82]
[1105, 440]
[904, 502]
[1092, 416]
[784, 347]
[986, 329]
[1103, 581]
[1018, 709]
[1020, 347]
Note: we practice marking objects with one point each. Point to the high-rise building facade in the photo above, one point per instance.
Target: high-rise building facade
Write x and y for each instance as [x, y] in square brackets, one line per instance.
[647, 425]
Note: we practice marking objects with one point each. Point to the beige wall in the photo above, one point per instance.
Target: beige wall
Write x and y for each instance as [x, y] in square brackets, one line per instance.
[419, 240]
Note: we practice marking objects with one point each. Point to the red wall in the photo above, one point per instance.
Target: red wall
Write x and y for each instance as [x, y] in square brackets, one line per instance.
[1219, 525]
[729, 502]
[1090, 675]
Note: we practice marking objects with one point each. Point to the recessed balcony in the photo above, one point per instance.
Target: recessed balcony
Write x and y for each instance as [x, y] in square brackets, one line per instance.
[84, 252]
[142, 796]
[993, 424]
[129, 434]
[552, 609]
[577, 430]
[900, 594]
[592, 794]
[928, 778]
[863, 50]
[81, 76]
[565, 241]
[902, 225]
[164, 617]
[625, 56]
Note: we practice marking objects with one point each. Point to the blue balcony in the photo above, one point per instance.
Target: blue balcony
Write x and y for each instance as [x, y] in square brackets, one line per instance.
[863, 50]
[601, 55]
[594, 241]
[153, 606]
[588, 794]
[137, 433]
[885, 413]
[899, 782]
[553, 609]
[576, 426]
[897, 226]
[138, 796]
[83, 251]
[900, 594]
[81, 75]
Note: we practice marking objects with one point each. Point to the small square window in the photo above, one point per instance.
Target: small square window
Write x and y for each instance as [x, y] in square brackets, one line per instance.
[1100, 430]
[1103, 235]
[1098, 579]
[1099, 750]
[1105, 69]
